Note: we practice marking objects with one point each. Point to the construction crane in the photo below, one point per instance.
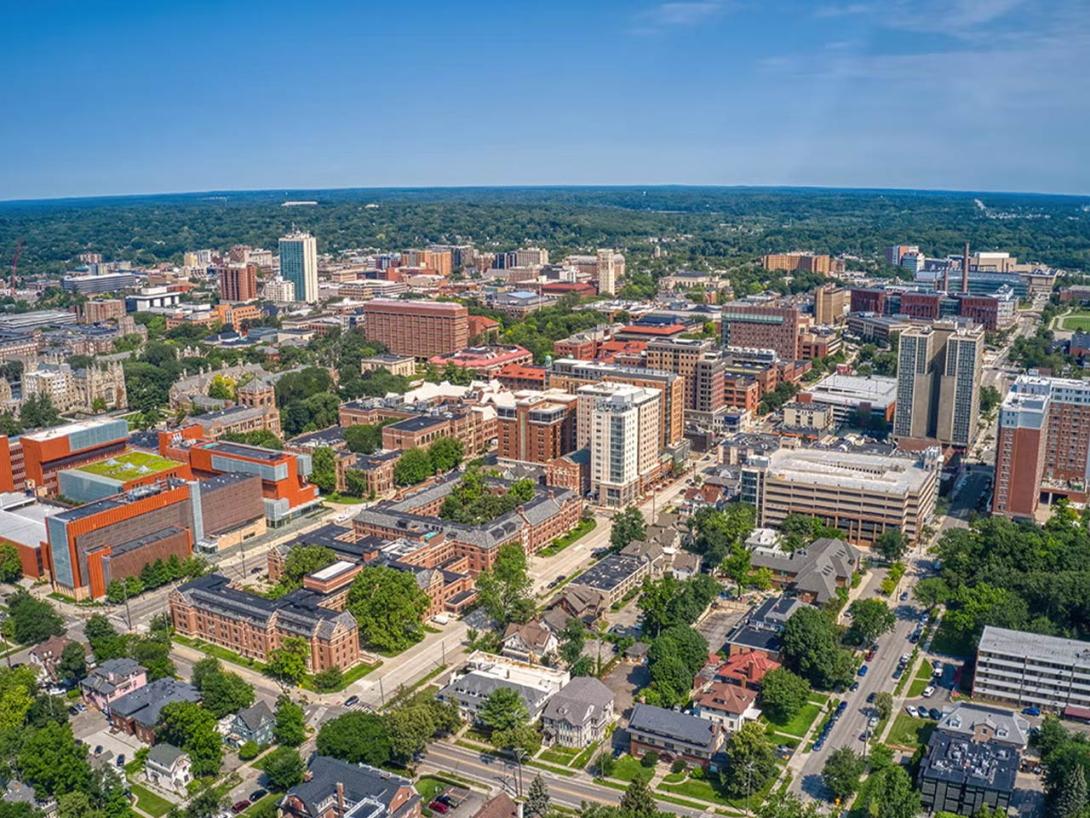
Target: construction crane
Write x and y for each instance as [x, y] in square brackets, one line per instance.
[15, 262]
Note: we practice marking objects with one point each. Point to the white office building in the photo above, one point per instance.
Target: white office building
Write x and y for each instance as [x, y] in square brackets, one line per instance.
[624, 439]
[299, 265]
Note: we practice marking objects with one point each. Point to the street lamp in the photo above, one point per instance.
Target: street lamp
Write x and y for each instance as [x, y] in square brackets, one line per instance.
[519, 755]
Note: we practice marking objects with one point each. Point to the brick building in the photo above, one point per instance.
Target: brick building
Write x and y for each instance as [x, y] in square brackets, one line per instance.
[536, 427]
[762, 327]
[238, 282]
[417, 328]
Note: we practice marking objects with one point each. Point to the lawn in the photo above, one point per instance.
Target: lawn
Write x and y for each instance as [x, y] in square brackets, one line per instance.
[1076, 321]
[577, 533]
[129, 466]
[702, 790]
[149, 802]
[800, 723]
[261, 804]
[563, 756]
[921, 680]
[628, 768]
[429, 787]
[909, 732]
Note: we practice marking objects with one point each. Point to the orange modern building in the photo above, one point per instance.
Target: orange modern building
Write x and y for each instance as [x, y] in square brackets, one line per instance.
[45, 453]
[284, 485]
[92, 545]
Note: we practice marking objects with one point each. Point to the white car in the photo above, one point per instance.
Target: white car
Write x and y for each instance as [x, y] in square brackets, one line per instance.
[937, 671]
[929, 691]
[911, 710]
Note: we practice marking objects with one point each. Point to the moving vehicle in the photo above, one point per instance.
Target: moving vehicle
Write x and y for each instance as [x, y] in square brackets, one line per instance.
[351, 700]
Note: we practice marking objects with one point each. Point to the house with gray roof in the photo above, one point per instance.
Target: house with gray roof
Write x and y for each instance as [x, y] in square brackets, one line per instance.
[111, 680]
[337, 789]
[579, 714]
[138, 712]
[982, 723]
[673, 735]
[168, 768]
[815, 572]
[254, 724]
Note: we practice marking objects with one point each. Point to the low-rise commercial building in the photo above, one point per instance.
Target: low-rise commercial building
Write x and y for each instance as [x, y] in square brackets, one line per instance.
[851, 397]
[673, 735]
[485, 673]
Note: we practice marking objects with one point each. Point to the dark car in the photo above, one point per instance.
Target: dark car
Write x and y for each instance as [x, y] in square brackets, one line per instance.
[438, 806]
[257, 795]
[351, 700]
[936, 714]
[240, 806]
[854, 687]
[98, 749]
[120, 762]
[871, 697]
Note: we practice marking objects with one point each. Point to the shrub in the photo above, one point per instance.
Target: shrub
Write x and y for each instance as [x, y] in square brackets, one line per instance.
[650, 759]
[606, 763]
[678, 766]
[249, 750]
[328, 680]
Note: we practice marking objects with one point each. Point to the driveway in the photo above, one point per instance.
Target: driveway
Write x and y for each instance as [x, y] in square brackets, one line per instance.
[625, 680]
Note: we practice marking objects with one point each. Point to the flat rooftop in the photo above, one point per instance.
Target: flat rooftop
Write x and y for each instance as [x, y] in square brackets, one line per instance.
[129, 466]
[852, 389]
[872, 473]
[242, 450]
[73, 428]
[22, 519]
[1035, 647]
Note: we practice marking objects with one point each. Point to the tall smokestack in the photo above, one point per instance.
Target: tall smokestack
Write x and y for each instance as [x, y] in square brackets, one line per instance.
[965, 269]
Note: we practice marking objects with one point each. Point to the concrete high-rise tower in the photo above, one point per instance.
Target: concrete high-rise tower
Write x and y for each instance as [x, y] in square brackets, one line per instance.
[299, 265]
[607, 273]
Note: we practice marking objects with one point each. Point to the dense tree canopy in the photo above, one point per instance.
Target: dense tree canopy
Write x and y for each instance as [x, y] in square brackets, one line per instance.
[388, 606]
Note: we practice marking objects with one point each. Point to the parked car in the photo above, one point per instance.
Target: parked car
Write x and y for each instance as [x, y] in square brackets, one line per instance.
[862, 670]
[872, 652]
[853, 687]
[258, 794]
[98, 750]
[240, 806]
[936, 714]
[912, 711]
[871, 697]
[351, 701]
[904, 596]
[439, 806]
[1032, 710]
[928, 691]
[872, 722]
[120, 762]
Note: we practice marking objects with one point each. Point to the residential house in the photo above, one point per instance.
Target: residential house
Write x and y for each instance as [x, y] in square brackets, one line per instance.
[727, 705]
[337, 789]
[815, 572]
[138, 713]
[47, 654]
[761, 630]
[746, 669]
[685, 565]
[168, 768]
[579, 714]
[673, 735]
[485, 673]
[582, 602]
[531, 642]
[111, 680]
[255, 724]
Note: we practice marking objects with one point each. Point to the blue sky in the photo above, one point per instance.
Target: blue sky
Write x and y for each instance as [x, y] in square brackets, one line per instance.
[146, 96]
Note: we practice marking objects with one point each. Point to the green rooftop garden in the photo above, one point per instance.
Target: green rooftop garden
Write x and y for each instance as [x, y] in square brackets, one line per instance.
[129, 466]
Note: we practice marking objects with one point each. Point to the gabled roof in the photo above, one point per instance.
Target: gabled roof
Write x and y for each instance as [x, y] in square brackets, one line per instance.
[727, 698]
[361, 783]
[256, 717]
[750, 667]
[164, 755]
[579, 700]
[533, 634]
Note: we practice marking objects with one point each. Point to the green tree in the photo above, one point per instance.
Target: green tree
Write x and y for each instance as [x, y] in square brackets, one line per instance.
[52, 761]
[288, 663]
[324, 469]
[363, 438]
[290, 727]
[572, 640]
[537, 798]
[445, 454]
[751, 761]
[638, 801]
[891, 795]
[789, 805]
[842, 771]
[207, 803]
[329, 680]
[414, 466]
[504, 589]
[627, 525]
[736, 565]
[503, 710]
[870, 619]
[388, 606]
[989, 399]
[716, 533]
[356, 737]
[931, 591]
[1071, 800]
[811, 649]
[72, 666]
[106, 643]
[154, 654]
[38, 412]
[223, 692]
[284, 768]
[32, 620]
[783, 694]
[883, 704]
[891, 544]
[11, 567]
[306, 559]
[523, 738]
[192, 728]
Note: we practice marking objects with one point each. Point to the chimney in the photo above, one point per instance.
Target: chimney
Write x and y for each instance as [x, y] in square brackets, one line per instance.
[965, 270]
[340, 799]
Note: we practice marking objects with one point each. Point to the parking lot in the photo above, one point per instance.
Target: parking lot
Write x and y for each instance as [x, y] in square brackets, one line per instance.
[720, 620]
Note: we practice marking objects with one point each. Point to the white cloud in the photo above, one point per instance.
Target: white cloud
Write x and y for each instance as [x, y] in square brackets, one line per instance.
[683, 13]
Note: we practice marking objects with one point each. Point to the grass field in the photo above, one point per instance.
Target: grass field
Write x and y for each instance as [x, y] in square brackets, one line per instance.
[1075, 321]
[800, 724]
[577, 533]
[129, 466]
[909, 732]
[921, 680]
[628, 768]
[149, 802]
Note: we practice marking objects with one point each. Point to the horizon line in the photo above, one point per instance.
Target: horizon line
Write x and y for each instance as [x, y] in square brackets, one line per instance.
[511, 187]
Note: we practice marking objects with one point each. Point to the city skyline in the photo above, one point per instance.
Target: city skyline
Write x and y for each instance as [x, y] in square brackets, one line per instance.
[980, 95]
